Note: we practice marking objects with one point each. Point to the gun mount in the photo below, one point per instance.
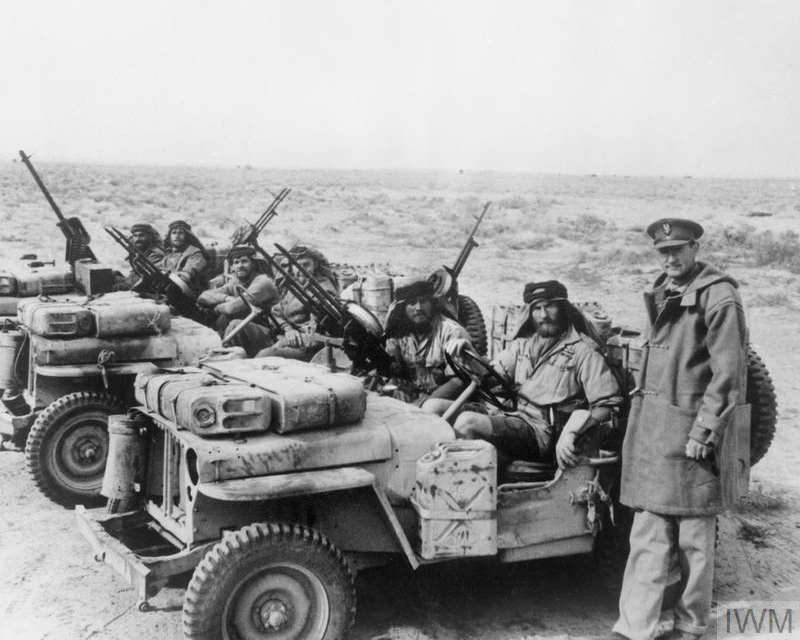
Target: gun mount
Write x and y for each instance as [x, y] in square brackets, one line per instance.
[154, 281]
[77, 237]
[248, 233]
[353, 328]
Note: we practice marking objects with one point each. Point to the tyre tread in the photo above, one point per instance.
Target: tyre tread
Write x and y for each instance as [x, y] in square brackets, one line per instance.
[44, 423]
[202, 587]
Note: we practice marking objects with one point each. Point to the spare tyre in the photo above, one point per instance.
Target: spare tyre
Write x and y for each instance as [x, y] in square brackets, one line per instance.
[763, 406]
[471, 318]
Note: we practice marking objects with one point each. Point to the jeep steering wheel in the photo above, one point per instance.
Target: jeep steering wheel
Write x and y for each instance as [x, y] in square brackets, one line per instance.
[479, 370]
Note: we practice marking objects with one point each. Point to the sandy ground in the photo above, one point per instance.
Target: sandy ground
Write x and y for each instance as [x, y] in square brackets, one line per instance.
[586, 231]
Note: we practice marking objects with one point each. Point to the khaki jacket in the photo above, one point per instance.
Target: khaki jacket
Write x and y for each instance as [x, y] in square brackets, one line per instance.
[227, 301]
[571, 374]
[424, 355]
[692, 384]
[290, 312]
[189, 264]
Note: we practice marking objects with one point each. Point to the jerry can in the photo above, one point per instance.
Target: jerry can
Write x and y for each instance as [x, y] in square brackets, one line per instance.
[455, 497]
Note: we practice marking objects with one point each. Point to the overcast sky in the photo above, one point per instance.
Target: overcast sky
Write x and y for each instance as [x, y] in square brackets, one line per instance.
[589, 86]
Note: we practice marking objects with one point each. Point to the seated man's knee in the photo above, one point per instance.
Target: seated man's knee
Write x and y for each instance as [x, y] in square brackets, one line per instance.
[436, 406]
[473, 426]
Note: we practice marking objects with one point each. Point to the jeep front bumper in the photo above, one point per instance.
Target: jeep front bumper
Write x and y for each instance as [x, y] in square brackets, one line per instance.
[137, 548]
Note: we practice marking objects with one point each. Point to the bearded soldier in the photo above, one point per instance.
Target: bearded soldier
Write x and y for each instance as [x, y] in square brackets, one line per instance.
[147, 240]
[417, 334]
[556, 366]
[186, 257]
[295, 319]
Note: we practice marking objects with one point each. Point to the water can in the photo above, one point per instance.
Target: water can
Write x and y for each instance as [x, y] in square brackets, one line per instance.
[126, 456]
[376, 295]
[455, 497]
[10, 345]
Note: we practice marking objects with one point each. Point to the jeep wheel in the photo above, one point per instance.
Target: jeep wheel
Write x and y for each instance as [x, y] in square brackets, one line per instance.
[763, 406]
[471, 318]
[67, 447]
[270, 580]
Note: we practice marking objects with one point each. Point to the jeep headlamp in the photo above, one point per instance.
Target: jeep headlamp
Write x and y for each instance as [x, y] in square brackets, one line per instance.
[205, 415]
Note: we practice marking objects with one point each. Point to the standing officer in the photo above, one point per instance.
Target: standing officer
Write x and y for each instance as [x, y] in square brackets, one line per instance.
[685, 455]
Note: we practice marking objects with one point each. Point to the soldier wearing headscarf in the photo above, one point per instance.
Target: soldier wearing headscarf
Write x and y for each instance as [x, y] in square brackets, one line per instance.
[185, 256]
[295, 319]
[247, 278]
[147, 240]
[417, 333]
[557, 367]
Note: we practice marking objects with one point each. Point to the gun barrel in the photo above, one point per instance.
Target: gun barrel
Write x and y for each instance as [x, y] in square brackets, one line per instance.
[271, 212]
[469, 245]
[333, 307]
[27, 160]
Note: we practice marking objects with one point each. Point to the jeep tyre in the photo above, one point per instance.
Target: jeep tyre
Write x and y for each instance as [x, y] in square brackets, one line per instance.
[270, 580]
[67, 447]
[763, 406]
[471, 318]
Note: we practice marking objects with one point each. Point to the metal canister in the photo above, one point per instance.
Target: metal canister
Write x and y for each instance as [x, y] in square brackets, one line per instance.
[126, 455]
[10, 345]
[376, 295]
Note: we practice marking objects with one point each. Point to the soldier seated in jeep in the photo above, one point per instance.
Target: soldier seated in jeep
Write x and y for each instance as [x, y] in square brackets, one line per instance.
[417, 333]
[185, 256]
[555, 366]
[294, 317]
[247, 277]
[147, 240]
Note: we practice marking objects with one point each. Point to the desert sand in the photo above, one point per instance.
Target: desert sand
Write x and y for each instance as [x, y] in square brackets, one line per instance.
[587, 231]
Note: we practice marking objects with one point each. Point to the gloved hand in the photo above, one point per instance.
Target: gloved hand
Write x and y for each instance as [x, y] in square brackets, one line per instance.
[567, 454]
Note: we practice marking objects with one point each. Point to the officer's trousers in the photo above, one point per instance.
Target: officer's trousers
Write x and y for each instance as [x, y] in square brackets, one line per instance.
[653, 536]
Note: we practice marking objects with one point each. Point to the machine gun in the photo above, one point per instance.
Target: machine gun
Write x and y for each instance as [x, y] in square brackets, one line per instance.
[77, 237]
[248, 233]
[354, 328]
[154, 280]
[445, 280]
[469, 245]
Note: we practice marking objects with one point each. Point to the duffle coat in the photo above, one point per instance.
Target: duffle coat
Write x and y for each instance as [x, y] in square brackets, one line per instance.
[691, 384]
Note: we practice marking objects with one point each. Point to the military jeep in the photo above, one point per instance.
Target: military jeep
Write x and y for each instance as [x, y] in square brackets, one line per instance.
[68, 364]
[276, 481]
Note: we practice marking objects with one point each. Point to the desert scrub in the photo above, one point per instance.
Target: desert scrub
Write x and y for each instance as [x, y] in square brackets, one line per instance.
[585, 228]
[536, 241]
[759, 248]
[513, 202]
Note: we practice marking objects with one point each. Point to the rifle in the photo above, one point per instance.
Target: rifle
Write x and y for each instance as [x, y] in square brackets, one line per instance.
[248, 234]
[171, 287]
[469, 245]
[77, 237]
[362, 337]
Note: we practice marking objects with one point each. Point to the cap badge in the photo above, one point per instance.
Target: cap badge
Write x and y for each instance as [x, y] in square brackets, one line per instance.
[666, 227]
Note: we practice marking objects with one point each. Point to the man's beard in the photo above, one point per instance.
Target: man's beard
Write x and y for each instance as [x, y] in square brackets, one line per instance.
[550, 329]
